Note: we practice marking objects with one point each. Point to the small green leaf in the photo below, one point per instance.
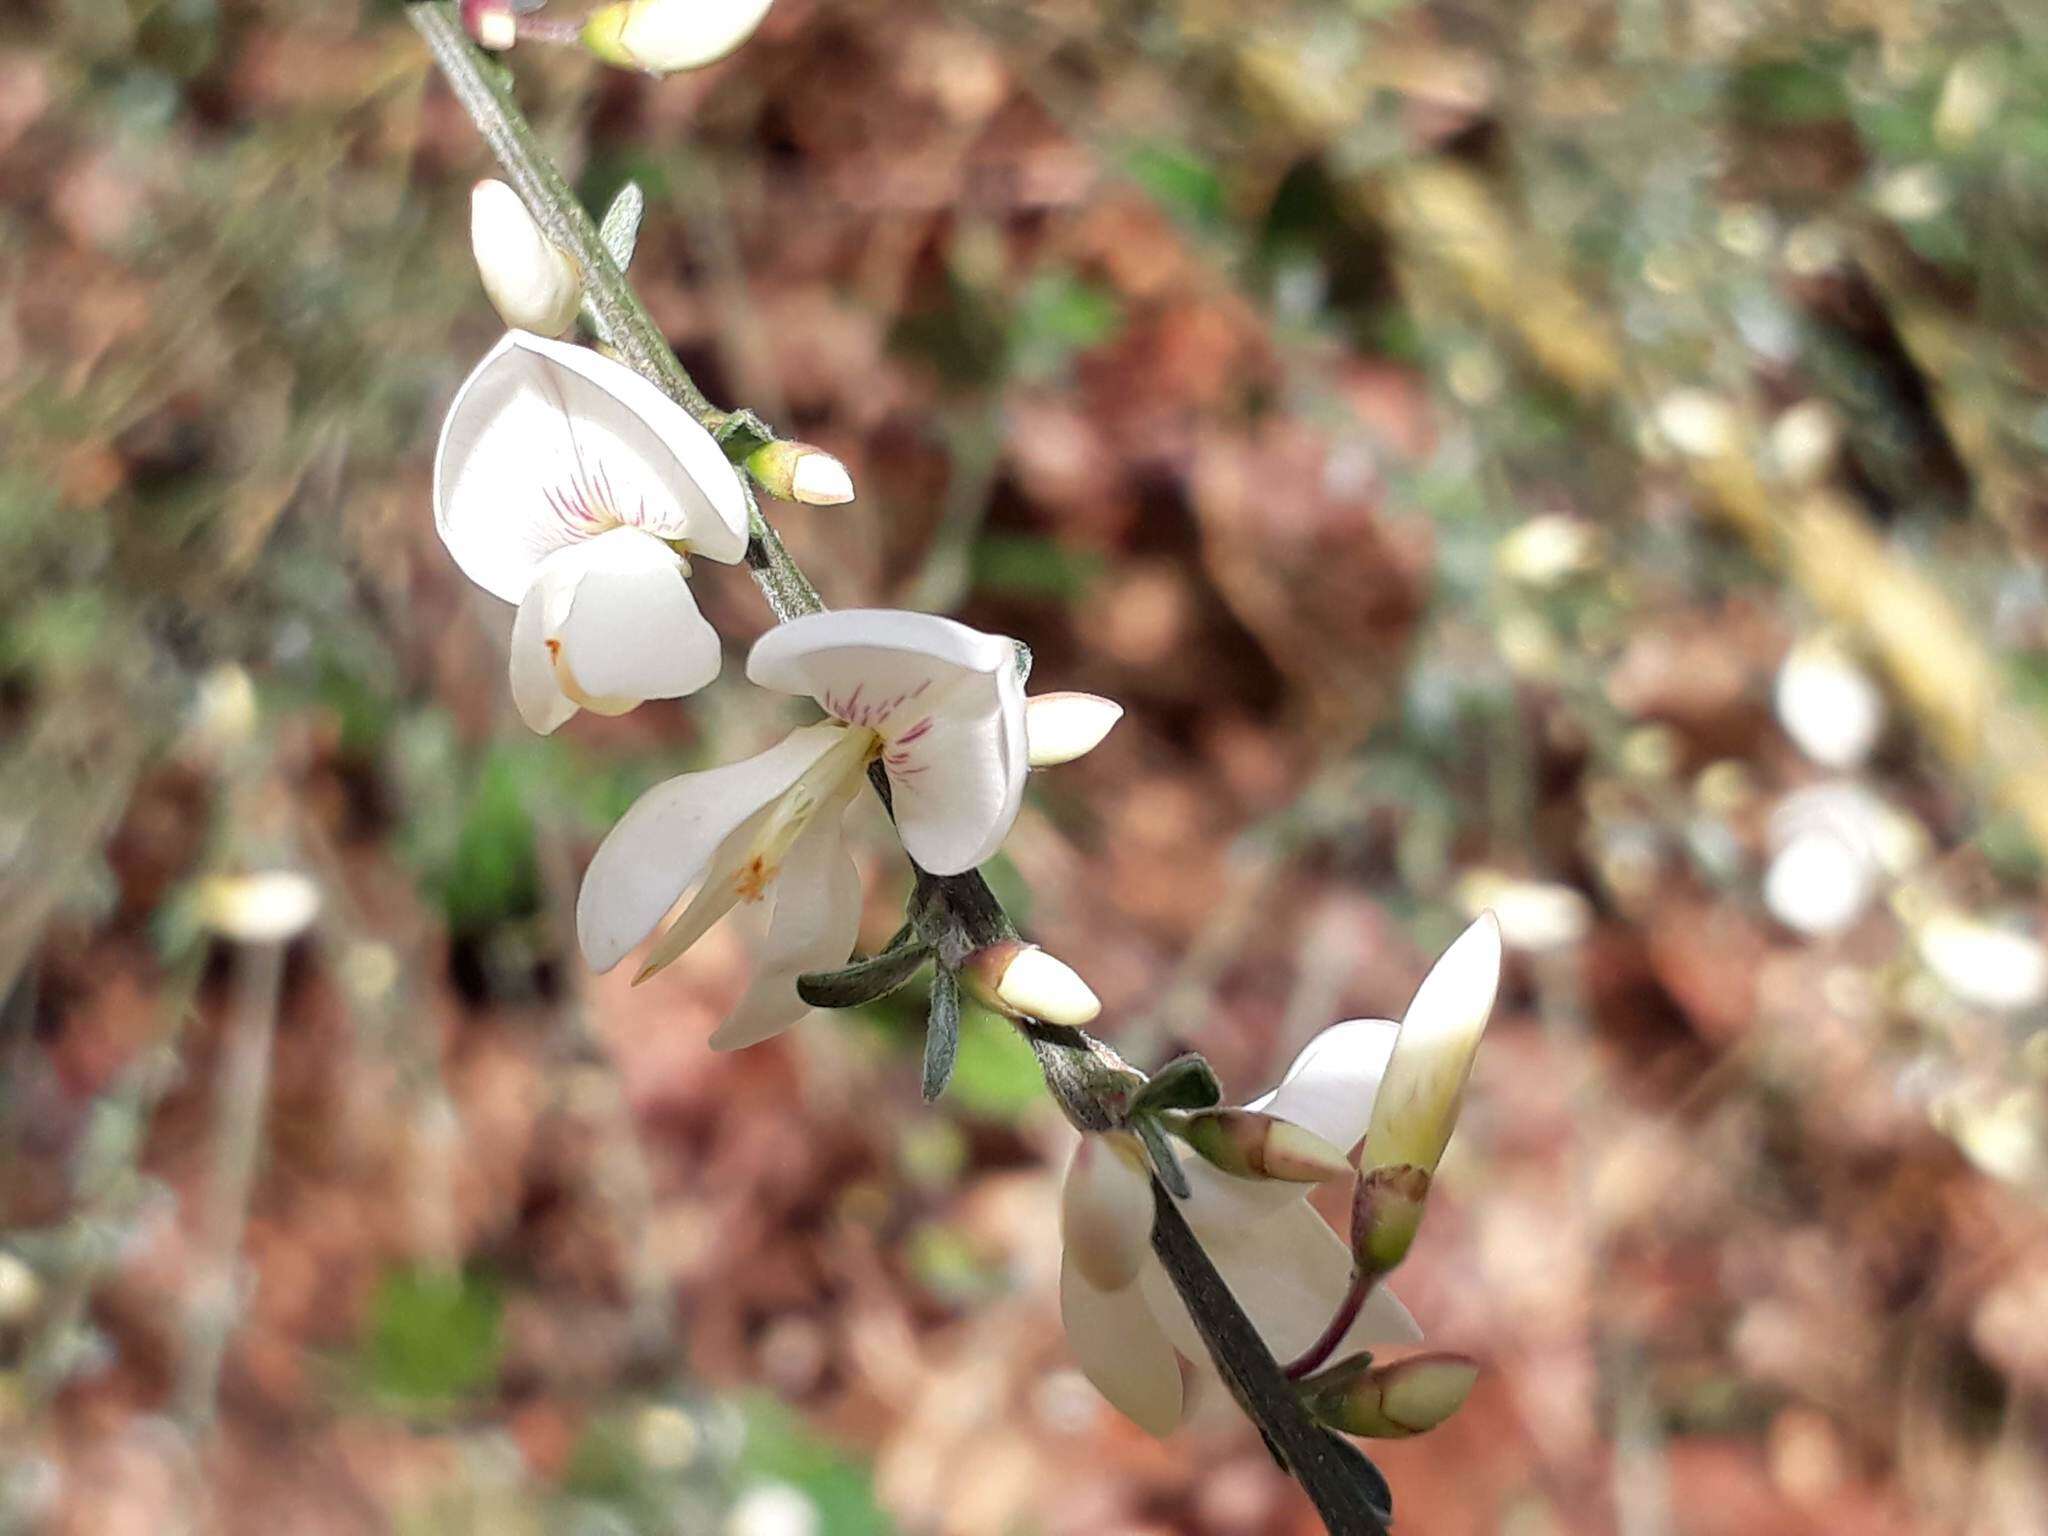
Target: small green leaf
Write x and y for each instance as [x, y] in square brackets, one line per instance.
[621, 229]
[941, 1032]
[1186, 1082]
[865, 980]
[1165, 1162]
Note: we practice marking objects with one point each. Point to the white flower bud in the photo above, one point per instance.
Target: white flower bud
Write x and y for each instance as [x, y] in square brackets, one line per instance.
[1417, 1104]
[1060, 727]
[794, 471]
[1016, 978]
[662, 36]
[533, 283]
[1106, 1210]
[820, 480]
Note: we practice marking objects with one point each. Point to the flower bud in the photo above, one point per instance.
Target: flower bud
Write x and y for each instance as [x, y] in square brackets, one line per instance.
[1386, 1210]
[1023, 980]
[533, 283]
[1106, 1210]
[662, 36]
[1417, 1104]
[491, 22]
[1249, 1145]
[1390, 1402]
[798, 472]
[1060, 727]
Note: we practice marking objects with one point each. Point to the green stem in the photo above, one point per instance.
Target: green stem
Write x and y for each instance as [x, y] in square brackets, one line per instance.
[1086, 1077]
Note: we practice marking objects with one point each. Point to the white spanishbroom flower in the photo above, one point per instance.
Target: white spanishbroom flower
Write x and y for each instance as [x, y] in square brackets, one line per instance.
[569, 485]
[1397, 1086]
[938, 705]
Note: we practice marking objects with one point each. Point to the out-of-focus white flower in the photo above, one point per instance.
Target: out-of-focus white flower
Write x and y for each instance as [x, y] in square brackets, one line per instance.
[1833, 845]
[267, 907]
[1287, 1269]
[1819, 884]
[569, 485]
[1698, 424]
[1995, 968]
[533, 283]
[1548, 549]
[1804, 441]
[1535, 916]
[1063, 726]
[1828, 705]
[224, 709]
[774, 1509]
[663, 36]
[493, 23]
[939, 705]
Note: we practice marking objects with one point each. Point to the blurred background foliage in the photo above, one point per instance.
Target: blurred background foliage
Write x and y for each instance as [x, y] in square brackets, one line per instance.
[1590, 458]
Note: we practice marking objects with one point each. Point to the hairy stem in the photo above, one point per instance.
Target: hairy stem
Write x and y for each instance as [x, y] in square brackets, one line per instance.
[1085, 1075]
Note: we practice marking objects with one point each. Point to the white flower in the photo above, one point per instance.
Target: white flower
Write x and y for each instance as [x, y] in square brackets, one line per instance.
[1827, 704]
[1832, 846]
[1288, 1270]
[1995, 968]
[662, 36]
[533, 283]
[268, 907]
[569, 485]
[939, 705]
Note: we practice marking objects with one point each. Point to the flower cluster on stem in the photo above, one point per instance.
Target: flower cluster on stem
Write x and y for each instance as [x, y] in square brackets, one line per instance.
[579, 485]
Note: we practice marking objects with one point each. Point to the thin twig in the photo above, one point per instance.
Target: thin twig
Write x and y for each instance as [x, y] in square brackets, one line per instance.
[241, 1096]
[1085, 1075]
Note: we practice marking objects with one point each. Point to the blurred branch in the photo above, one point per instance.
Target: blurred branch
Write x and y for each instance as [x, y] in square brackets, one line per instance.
[1078, 1068]
[242, 1095]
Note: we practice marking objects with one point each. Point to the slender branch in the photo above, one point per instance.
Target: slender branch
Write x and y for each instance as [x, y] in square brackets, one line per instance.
[1083, 1074]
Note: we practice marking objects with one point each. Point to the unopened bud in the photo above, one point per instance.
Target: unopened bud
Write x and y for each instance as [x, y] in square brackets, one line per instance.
[1106, 1210]
[1417, 1104]
[533, 283]
[798, 472]
[662, 36]
[1059, 727]
[1022, 979]
[1390, 1402]
[1249, 1145]
[491, 22]
[1386, 1210]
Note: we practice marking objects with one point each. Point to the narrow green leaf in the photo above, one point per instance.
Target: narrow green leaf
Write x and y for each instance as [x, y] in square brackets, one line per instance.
[941, 1032]
[1165, 1162]
[865, 980]
[1186, 1082]
[621, 229]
